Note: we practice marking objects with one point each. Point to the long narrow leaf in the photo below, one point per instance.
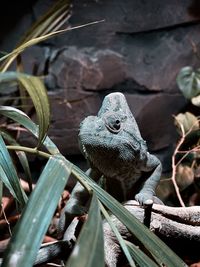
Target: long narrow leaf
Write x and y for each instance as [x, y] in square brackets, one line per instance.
[33, 224]
[55, 15]
[38, 94]
[9, 176]
[21, 118]
[13, 55]
[37, 91]
[4, 178]
[21, 155]
[140, 257]
[118, 235]
[89, 251]
[52, 20]
[162, 253]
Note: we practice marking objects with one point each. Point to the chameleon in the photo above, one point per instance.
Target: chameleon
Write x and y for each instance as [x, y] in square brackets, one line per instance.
[118, 157]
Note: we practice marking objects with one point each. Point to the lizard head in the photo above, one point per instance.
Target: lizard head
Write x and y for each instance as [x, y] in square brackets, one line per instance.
[112, 135]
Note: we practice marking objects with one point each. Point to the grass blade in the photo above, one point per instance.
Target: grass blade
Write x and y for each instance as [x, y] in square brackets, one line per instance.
[140, 257]
[37, 91]
[89, 251]
[9, 176]
[57, 14]
[21, 118]
[52, 20]
[118, 235]
[160, 251]
[33, 224]
[13, 55]
[22, 157]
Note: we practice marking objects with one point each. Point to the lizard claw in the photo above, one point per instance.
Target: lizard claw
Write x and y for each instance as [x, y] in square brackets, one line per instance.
[144, 199]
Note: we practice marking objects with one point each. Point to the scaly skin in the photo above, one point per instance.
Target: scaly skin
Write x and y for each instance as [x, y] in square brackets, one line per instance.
[114, 148]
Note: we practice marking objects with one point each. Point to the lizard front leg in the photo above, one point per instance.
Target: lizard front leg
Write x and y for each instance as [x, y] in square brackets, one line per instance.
[146, 194]
[76, 205]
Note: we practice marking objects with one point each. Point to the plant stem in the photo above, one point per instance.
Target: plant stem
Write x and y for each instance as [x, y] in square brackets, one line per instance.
[30, 150]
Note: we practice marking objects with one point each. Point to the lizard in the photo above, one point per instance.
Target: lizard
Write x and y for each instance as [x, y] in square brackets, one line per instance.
[116, 151]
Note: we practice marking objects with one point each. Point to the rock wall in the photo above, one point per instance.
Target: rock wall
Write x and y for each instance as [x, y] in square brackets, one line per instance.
[138, 49]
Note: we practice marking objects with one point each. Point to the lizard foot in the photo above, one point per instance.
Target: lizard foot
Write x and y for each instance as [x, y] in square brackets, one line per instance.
[144, 198]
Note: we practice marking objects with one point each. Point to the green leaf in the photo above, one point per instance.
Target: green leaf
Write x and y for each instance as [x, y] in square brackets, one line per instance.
[9, 78]
[89, 251]
[21, 155]
[37, 91]
[21, 118]
[38, 94]
[189, 82]
[33, 224]
[9, 176]
[118, 235]
[161, 252]
[140, 257]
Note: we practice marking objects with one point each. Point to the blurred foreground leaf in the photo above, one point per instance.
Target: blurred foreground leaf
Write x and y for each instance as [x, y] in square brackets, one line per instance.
[140, 257]
[9, 176]
[22, 157]
[118, 236]
[21, 118]
[89, 248]
[33, 224]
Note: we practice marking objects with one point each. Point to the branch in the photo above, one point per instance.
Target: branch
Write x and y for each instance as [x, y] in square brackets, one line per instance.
[179, 227]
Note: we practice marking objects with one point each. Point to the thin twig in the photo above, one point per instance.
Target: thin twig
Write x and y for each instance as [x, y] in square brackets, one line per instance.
[174, 167]
[186, 153]
[7, 222]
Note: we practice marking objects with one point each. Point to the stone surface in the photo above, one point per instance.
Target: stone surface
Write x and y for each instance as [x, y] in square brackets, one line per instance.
[86, 69]
[138, 50]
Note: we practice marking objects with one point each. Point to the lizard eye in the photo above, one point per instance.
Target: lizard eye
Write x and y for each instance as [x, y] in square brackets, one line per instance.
[113, 124]
[117, 124]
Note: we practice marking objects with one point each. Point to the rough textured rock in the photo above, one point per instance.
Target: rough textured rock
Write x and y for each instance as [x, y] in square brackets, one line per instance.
[88, 77]
[138, 49]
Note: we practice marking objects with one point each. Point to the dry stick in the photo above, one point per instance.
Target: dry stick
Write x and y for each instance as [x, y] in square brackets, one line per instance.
[177, 223]
[6, 203]
[11, 220]
[7, 222]
[174, 164]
